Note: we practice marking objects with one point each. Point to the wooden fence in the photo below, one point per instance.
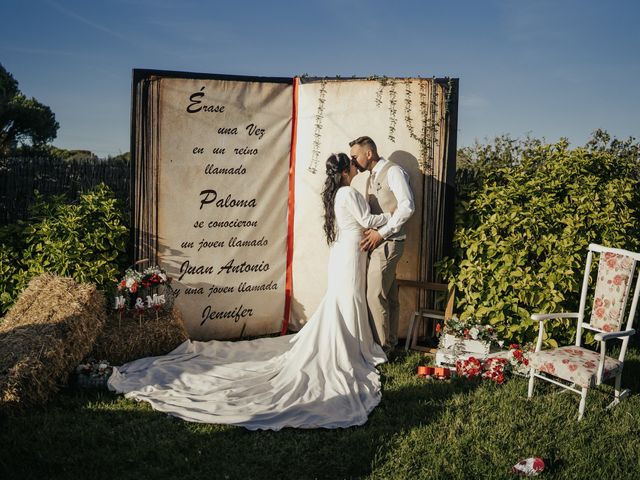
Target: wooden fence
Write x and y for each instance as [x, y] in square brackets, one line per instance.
[21, 177]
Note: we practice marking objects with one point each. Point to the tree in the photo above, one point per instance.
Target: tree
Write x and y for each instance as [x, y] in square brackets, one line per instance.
[22, 119]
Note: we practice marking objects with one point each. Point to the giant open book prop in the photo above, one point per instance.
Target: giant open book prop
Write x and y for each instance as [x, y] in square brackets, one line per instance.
[228, 173]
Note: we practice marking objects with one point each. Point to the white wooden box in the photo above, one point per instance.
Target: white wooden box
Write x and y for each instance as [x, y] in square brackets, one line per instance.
[456, 348]
[464, 345]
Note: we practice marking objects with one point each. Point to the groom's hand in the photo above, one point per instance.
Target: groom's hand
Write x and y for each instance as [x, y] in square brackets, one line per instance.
[371, 240]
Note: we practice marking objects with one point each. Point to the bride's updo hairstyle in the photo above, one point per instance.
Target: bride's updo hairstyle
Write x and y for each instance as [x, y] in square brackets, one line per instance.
[336, 164]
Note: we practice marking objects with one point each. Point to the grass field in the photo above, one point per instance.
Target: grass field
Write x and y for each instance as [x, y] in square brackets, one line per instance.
[421, 430]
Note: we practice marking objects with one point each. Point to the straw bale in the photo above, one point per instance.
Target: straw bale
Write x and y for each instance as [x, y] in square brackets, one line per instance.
[122, 341]
[44, 336]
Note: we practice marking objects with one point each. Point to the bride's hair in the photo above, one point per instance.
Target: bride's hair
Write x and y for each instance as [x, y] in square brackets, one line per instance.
[336, 164]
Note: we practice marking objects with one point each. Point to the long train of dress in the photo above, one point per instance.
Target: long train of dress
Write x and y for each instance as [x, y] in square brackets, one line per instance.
[323, 376]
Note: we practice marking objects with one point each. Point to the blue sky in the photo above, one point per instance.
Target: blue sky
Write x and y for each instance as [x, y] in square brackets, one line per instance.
[548, 68]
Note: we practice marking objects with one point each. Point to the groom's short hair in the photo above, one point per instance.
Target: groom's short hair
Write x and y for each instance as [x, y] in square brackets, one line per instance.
[364, 142]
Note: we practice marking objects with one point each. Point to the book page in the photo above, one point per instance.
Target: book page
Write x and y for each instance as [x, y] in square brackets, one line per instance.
[224, 153]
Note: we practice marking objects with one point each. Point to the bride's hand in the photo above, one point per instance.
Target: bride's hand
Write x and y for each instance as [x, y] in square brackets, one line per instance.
[371, 240]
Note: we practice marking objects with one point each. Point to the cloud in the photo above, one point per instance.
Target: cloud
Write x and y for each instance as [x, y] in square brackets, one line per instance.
[157, 4]
[474, 102]
[90, 23]
[44, 51]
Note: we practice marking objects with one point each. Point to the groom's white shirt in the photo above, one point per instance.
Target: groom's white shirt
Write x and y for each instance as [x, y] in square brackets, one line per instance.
[398, 181]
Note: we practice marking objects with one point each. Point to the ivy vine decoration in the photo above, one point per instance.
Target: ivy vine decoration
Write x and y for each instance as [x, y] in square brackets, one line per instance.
[423, 115]
[392, 110]
[431, 130]
[425, 149]
[428, 135]
[427, 138]
[383, 83]
[448, 94]
[317, 133]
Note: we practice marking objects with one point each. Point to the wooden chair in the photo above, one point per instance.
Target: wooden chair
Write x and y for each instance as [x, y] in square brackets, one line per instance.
[574, 367]
[432, 316]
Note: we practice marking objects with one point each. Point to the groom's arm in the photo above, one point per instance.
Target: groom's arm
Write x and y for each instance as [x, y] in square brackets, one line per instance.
[399, 185]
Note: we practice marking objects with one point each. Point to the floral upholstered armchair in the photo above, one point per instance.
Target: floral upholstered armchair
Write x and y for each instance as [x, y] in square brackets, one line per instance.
[577, 368]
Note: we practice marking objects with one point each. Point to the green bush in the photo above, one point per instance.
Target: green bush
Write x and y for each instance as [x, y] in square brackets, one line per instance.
[85, 240]
[523, 223]
[9, 268]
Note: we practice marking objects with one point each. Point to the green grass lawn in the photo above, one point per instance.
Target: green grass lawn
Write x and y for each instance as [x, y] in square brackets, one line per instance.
[421, 430]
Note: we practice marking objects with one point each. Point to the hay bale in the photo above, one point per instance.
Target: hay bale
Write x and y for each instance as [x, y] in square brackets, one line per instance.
[44, 336]
[122, 341]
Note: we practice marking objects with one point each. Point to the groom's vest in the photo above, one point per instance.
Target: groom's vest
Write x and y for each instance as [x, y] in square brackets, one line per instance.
[381, 198]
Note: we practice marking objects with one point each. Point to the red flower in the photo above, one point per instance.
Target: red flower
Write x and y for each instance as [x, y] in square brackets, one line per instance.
[600, 311]
[469, 368]
[618, 279]
[574, 351]
[438, 328]
[598, 302]
[548, 367]
[573, 367]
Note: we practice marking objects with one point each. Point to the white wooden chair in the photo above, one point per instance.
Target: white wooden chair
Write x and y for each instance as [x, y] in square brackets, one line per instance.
[575, 367]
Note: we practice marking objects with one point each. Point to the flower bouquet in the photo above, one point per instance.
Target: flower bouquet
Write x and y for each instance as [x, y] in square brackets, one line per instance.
[469, 330]
[491, 369]
[461, 339]
[494, 368]
[93, 373]
[469, 368]
[517, 357]
[140, 292]
[133, 281]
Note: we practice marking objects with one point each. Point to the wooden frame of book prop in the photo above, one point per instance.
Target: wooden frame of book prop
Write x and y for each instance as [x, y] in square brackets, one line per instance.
[227, 173]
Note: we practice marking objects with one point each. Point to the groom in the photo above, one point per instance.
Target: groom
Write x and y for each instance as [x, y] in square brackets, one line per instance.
[388, 191]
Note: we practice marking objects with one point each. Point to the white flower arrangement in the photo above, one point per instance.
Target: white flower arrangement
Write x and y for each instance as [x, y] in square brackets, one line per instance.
[469, 329]
[136, 291]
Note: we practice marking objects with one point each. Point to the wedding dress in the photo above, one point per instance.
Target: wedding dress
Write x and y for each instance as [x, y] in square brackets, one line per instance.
[323, 376]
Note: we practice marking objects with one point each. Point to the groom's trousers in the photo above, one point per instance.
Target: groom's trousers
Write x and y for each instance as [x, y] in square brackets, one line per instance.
[382, 292]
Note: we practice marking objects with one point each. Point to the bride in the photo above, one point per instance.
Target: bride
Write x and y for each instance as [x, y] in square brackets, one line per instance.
[323, 376]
